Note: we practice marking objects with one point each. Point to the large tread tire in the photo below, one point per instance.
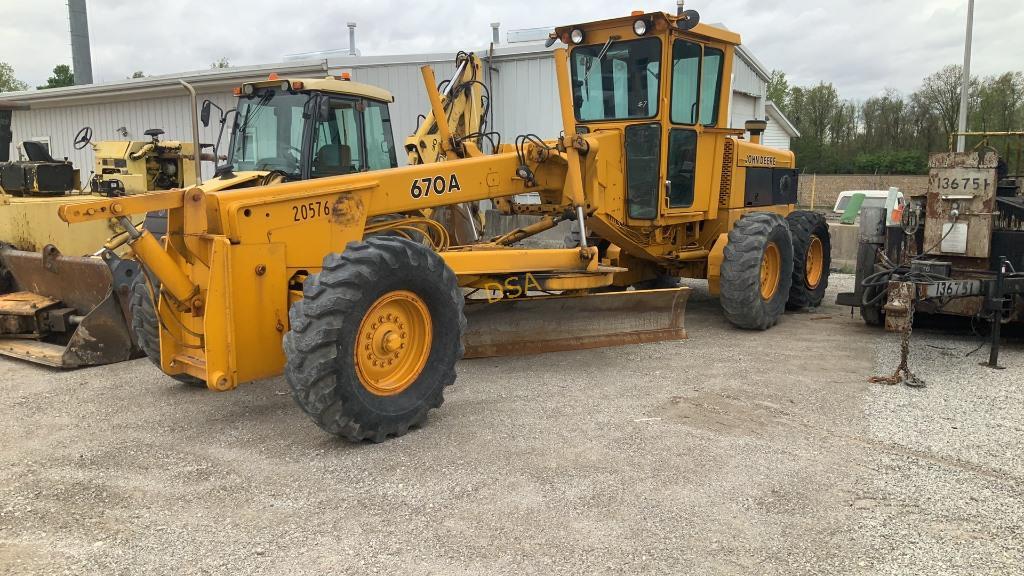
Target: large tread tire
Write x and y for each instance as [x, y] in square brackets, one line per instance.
[741, 271]
[803, 227]
[146, 328]
[321, 367]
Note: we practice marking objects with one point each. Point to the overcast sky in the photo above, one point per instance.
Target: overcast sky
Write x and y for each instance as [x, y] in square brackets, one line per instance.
[863, 47]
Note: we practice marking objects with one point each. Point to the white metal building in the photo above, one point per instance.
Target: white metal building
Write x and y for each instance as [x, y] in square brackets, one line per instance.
[523, 88]
[780, 131]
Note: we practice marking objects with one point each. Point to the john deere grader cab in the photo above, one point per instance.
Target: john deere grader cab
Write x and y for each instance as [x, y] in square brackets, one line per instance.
[345, 285]
[66, 292]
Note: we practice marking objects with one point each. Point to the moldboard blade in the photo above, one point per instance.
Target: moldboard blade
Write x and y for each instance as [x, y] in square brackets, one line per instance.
[513, 327]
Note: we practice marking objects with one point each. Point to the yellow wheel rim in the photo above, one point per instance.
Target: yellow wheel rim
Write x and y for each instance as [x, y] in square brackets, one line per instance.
[771, 264]
[393, 343]
[814, 263]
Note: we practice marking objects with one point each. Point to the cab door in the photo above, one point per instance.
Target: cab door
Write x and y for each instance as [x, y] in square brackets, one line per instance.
[696, 78]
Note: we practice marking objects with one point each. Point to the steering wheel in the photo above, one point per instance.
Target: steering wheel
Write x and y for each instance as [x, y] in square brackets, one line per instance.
[83, 138]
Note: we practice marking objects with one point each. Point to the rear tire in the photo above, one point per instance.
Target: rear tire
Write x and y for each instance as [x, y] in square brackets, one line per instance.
[757, 271]
[146, 327]
[812, 257]
[334, 338]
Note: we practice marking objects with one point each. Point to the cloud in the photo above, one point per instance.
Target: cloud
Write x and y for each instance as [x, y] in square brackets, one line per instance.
[863, 47]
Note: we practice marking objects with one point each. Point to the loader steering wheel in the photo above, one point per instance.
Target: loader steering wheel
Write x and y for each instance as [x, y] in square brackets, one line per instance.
[83, 138]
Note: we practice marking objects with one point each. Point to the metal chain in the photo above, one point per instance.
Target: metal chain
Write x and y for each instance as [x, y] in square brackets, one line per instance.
[902, 375]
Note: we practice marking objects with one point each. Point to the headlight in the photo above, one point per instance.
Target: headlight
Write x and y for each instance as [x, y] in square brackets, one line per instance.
[576, 36]
[248, 89]
[640, 27]
[286, 86]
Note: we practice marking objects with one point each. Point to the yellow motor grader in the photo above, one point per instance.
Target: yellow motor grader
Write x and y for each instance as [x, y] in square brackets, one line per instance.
[345, 285]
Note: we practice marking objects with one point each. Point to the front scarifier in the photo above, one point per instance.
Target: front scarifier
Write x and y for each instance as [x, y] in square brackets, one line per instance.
[375, 339]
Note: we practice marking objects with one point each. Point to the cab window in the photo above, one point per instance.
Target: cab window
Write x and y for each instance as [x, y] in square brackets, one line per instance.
[268, 132]
[337, 147]
[617, 83]
[685, 81]
[710, 85]
[696, 83]
[380, 153]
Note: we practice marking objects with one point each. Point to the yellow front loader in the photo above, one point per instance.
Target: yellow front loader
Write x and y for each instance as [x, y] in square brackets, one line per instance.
[347, 286]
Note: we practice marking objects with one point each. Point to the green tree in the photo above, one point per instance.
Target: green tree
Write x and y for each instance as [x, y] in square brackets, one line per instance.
[62, 76]
[222, 62]
[941, 93]
[998, 103]
[778, 90]
[8, 82]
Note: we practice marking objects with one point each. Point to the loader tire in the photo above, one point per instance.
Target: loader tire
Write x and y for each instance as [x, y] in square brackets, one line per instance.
[812, 257]
[757, 271]
[146, 328]
[385, 299]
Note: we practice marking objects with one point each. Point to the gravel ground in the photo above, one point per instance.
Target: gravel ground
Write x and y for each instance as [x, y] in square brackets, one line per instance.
[729, 453]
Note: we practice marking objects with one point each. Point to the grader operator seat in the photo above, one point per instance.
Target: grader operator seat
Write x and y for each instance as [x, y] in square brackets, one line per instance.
[333, 160]
[36, 152]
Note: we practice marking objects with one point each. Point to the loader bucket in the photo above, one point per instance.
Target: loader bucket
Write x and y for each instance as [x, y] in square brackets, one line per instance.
[512, 327]
[66, 311]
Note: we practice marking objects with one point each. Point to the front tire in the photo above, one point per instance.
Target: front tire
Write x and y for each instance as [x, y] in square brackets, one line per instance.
[374, 341]
[812, 257]
[146, 327]
[757, 271]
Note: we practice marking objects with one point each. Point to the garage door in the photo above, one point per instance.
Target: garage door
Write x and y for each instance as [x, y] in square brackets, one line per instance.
[744, 108]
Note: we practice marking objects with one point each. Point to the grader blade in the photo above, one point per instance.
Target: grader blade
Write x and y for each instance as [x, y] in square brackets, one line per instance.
[513, 327]
[66, 311]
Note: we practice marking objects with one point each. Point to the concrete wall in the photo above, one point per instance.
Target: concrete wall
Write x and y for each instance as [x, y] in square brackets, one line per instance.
[826, 187]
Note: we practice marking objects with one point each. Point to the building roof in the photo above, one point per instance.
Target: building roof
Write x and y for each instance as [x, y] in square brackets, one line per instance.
[162, 85]
[775, 114]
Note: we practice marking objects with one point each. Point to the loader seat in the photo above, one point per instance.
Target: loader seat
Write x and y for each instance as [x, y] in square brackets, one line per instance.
[332, 160]
[36, 152]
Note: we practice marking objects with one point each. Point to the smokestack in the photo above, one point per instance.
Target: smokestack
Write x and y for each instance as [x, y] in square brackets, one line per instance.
[81, 58]
[352, 39]
[495, 35]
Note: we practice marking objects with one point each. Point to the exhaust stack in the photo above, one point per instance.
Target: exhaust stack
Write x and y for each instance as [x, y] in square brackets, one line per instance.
[352, 39]
[81, 58]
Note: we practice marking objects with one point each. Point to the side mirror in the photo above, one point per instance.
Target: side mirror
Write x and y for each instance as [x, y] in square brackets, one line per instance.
[204, 114]
[688, 20]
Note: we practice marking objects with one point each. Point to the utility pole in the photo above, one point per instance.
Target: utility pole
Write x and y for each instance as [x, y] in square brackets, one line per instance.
[965, 84]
